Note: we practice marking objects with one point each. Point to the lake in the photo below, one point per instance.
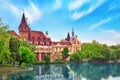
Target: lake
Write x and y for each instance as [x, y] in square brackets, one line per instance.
[74, 71]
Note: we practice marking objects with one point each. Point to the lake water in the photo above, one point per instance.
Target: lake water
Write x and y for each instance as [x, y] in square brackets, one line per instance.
[76, 71]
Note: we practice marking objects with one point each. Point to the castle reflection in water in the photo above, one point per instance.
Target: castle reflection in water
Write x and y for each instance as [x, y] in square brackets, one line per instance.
[53, 72]
[76, 71]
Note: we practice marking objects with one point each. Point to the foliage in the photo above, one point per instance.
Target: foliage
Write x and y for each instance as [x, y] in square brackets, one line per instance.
[14, 45]
[96, 51]
[26, 55]
[4, 53]
[65, 53]
[26, 44]
[47, 58]
[4, 35]
[76, 57]
[13, 50]
[4, 41]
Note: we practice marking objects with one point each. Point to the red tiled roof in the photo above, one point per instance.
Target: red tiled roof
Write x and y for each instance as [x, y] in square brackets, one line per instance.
[37, 35]
[47, 39]
[12, 32]
[62, 43]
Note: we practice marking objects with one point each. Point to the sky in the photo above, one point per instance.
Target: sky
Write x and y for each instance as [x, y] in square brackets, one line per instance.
[91, 19]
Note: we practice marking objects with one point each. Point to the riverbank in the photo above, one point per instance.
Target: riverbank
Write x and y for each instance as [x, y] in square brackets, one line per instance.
[8, 69]
[54, 62]
[100, 61]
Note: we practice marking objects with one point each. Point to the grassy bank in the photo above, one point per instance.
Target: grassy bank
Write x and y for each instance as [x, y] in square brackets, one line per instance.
[7, 69]
[54, 62]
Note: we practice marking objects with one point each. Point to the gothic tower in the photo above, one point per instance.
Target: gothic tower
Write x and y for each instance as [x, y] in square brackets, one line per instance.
[72, 34]
[68, 37]
[24, 30]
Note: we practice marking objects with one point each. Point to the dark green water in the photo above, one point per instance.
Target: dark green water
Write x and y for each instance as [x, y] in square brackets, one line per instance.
[81, 71]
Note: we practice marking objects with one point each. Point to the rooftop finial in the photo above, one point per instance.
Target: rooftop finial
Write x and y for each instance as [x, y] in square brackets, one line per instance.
[47, 34]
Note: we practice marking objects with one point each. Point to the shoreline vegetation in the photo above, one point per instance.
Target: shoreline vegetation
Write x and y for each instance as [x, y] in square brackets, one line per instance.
[67, 62]
[9, 69]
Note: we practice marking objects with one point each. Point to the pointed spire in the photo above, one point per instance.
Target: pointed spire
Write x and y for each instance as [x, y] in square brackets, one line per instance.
[68, 37]
[23, 21]
[23, 18]
[72, 32]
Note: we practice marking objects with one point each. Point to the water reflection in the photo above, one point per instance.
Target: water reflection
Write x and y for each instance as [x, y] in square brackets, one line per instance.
[77, 71]
[82, 71]
[17, 76]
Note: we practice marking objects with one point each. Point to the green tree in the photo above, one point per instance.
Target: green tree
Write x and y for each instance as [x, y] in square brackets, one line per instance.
[4, 41]
[117, 51]
[4, 53]
[14, 45]
[76, 57]
[26, 44]
[4, 35]
[65, 53]
[26, 55]
[47, 58]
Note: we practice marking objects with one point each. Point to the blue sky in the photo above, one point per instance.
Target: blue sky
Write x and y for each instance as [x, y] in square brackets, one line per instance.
[91, 19]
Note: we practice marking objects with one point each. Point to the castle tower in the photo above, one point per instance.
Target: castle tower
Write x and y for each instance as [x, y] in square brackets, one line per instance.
[24, 30]
[72, 38]
[68, 37]
[72, 32]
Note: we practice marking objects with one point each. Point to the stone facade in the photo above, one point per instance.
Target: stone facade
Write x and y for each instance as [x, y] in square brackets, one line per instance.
[43, 43]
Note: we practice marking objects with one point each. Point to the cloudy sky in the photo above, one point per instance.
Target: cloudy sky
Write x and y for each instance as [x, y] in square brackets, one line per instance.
[91, 19]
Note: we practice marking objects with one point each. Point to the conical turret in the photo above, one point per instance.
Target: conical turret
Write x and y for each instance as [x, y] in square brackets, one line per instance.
[24, 30]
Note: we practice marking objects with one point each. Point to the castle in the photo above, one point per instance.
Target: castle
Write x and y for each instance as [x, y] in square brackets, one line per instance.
[43, 43]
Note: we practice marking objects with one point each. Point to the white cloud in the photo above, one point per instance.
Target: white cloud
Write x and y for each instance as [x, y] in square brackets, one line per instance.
[112, 7]
[78, 15]
[91, 6]
[32, 12]
[114, 34]
[96, 25]
[112, 37]
[76, 4]
[57, 4]
[8, 6]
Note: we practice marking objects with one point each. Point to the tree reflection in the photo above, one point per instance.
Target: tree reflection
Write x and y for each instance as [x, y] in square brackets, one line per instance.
[18, 76]
[96, 71]
[65, 72]
[75, 71]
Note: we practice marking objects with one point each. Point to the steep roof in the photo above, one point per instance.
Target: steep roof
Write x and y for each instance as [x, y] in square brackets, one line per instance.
[23, 22]
[68, 37]
[37, 35]
[12, 32]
